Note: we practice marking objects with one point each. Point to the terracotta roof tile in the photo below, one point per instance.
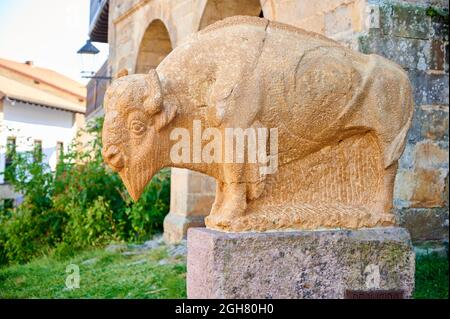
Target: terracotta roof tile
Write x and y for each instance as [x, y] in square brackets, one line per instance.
[46, 76]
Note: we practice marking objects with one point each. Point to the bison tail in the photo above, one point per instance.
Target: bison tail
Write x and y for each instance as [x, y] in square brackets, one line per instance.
[397, 146]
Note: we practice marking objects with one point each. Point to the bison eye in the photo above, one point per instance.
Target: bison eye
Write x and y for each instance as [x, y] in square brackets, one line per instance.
[137, 127]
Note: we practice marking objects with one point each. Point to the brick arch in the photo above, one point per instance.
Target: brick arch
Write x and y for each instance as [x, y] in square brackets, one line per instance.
[216, 10]
[155, 45]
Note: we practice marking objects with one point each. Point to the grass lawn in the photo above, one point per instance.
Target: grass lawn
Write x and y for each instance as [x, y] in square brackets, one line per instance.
[431, 277]
[150, 274]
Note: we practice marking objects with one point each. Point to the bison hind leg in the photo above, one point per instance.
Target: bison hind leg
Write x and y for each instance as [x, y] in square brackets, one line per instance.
[384, 200]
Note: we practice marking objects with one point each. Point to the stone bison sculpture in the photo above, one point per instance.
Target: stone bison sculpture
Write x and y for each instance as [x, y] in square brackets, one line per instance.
[341, 116]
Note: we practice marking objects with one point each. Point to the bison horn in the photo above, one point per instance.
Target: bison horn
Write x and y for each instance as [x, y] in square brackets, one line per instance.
[121, 73]
[153, 103]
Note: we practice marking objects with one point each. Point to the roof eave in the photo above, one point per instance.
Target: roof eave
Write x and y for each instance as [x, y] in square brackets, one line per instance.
[98, 30]
[48, 105]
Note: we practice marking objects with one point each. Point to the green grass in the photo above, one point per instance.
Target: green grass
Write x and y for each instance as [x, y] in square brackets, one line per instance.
[111, 275]
[431, 277]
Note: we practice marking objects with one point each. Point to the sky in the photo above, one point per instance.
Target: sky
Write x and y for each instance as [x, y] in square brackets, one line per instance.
[47, 32]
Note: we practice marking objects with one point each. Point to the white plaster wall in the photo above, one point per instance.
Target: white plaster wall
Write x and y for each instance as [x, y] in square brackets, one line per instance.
[28, 122]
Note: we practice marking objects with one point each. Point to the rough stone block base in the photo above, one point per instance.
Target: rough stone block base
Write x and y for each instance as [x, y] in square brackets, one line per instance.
[298, 264]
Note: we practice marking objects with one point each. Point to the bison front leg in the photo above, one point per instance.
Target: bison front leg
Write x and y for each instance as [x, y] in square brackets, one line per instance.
[230, 203]
[235, 201]
[215, 210]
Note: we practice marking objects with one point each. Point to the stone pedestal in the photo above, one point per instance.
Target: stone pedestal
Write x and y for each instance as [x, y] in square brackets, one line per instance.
[298, 264]
[191, 197]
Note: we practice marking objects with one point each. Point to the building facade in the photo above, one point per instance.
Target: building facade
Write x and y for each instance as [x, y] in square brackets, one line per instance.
[39, 109]
[413, 33]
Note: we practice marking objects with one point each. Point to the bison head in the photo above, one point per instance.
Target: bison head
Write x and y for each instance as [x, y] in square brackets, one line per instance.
[135, 115]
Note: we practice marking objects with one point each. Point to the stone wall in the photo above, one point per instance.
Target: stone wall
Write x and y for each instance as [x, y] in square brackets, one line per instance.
[413, 33]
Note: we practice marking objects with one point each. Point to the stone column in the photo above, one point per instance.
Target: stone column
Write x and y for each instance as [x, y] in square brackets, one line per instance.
[327, 264]
[191, 197]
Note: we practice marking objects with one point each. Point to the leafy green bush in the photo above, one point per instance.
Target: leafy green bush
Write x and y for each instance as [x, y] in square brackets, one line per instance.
[147, 215]
[83, 203]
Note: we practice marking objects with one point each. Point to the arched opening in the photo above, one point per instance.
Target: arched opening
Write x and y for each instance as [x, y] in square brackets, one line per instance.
[155, 46]
[216, 10]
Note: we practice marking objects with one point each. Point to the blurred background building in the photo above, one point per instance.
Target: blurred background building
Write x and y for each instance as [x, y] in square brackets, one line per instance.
[413, 33]
[39, 109]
